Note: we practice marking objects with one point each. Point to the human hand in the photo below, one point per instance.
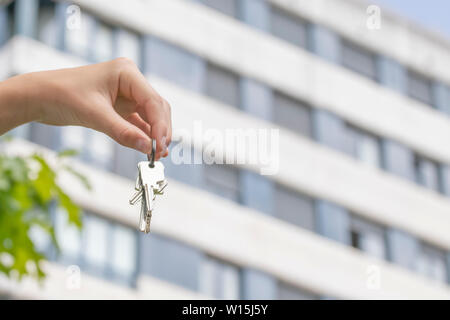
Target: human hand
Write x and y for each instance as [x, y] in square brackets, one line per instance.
[112, 97]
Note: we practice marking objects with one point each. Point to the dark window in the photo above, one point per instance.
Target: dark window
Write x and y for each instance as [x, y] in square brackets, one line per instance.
[294, 207]
[47, 28]
[427, 172]
[288, 27]
[419, 87]
[358, 59]
[292, 114]
[173, 63]
[368, 237]
[222, 85]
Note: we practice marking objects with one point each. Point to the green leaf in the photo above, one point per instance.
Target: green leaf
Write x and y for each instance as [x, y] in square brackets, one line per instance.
[26, 195]
[73, 211]
[68, 153]
[45, 182]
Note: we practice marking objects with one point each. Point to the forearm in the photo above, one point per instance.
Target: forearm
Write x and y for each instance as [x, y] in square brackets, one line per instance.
[16, 103]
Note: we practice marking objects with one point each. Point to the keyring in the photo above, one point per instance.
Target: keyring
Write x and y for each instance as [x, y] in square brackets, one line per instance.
[151, 158]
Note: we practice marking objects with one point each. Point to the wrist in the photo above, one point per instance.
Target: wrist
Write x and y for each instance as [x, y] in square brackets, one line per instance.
[19, 97]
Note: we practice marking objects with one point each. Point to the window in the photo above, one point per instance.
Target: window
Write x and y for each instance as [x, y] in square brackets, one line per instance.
[288, 27]
[123, 261]
[427, 173]
[419, 87]
[332, 221]
[219, 280]
[358, 59]
[222, 85]
[127, 44]
[431, 262]
[173, 64]
[292, 114]
[73, 137]
[289, 292]
[11, 8]
[398, 159]
[47, 28]
[368, 237]
[222, 180]
[170, 261]
[332, 131]
[100, 149]
[409, 252]
[4, 28]
[102, 248]
[445, 179]
[95, 147]
[95, 237]
[40, 238]
[293, 207]
[69, 238]
[22, 131]
[102, 46]
[228, 7]
[366, 147]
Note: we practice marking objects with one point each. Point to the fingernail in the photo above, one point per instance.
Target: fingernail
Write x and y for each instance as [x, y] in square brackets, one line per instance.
[163, 153]
[163, 143]
[143, 145]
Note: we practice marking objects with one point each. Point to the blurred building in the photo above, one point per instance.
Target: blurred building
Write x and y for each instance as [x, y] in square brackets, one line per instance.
[360, 207]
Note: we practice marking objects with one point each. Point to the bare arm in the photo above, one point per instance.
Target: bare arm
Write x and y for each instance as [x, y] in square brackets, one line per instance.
[111, 97]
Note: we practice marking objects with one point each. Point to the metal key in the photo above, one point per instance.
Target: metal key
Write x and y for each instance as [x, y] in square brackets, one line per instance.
[153, 183]
[149, 183]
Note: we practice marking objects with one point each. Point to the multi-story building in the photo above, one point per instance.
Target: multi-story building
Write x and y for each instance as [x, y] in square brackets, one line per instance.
[360, 207]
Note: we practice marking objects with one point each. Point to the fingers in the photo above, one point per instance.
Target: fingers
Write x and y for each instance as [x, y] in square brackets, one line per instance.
[135, 119]
[151, 107]
[129, 134]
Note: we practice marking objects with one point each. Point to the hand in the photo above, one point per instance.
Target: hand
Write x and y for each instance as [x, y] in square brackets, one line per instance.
[111, 97]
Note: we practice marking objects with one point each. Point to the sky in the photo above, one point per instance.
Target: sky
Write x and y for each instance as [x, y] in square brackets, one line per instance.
[433, 14]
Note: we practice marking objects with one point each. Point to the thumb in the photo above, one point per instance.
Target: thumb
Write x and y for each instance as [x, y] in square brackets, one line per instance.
[126, 133]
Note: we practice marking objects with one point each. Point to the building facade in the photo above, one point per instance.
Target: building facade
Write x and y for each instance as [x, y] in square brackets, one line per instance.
[360, 207]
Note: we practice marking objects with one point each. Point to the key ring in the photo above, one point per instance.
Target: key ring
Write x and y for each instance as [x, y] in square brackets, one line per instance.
[151, 158]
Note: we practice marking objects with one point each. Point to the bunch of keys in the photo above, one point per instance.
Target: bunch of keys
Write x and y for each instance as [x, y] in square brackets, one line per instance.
[150, 182]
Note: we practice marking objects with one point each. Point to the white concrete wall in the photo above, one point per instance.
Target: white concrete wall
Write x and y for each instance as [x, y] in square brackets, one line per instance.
[292, 70]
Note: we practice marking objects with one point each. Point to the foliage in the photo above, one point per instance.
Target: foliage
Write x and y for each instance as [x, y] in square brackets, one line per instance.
[28, 190]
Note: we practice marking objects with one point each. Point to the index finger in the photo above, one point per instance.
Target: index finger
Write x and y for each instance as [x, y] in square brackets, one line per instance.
[155, 110]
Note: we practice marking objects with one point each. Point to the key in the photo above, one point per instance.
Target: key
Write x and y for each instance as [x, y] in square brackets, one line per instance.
[149, 183]
[153, 183]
